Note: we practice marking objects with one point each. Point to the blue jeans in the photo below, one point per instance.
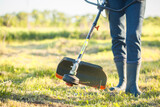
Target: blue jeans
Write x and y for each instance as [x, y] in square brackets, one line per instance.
[125, 29]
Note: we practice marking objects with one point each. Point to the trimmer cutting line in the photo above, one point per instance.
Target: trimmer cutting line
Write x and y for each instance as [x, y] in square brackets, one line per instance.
[75, 72]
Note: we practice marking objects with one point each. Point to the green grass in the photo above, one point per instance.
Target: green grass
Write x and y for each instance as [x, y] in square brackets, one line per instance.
[27, 74]
[24, 34]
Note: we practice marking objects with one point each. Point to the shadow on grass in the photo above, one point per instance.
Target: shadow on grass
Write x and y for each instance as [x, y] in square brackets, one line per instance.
[44, 54]
[32, 99]
[57, 43]
[33, 46]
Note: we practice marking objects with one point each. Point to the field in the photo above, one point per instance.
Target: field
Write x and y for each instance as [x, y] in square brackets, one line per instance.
[27, 73]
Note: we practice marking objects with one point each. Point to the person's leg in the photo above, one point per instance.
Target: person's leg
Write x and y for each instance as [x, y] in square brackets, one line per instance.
[117, 30]
[134, 18]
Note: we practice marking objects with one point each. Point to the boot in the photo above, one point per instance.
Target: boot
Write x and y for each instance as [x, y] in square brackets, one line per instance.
[121, 69]
[132, 79]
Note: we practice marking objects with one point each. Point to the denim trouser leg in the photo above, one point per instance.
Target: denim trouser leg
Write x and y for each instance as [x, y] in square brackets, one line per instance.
[134, 19]
[117, 30]
[131, 39]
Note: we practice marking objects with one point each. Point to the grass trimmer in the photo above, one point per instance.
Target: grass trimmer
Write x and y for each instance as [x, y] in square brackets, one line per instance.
[75, 72]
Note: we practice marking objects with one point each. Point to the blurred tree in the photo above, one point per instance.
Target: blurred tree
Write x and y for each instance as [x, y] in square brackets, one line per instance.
[152, 20]
[37, 17]
[6, 20]
[61, 19]
[1, 21]
[54, 18]
[81, 22]
[46, 18]
[22, 19]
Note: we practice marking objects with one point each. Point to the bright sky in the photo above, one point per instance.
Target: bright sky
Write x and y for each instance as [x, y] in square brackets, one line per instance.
[71, 7]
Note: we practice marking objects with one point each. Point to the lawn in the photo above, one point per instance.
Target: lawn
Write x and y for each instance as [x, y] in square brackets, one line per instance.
[27, 74]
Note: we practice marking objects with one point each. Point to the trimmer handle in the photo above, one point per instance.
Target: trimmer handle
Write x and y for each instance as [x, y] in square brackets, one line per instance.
[111, 9]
